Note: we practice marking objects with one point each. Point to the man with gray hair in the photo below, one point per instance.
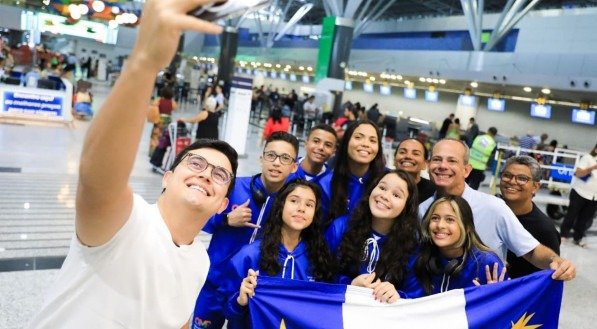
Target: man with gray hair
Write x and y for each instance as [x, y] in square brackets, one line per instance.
[495, 223]
[520, 181]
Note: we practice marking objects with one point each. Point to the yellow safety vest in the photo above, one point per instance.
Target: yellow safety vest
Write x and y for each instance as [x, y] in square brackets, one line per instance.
[480, 151]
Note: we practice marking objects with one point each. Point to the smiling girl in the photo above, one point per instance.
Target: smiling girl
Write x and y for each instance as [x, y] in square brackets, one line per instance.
[377, 243]
[452, 254]
[292, 247]
[359, 160]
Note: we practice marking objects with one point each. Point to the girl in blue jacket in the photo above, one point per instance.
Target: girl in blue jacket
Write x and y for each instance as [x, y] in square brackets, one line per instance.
[452, 254]
[359, 160]
[292, 246]
[376, 245]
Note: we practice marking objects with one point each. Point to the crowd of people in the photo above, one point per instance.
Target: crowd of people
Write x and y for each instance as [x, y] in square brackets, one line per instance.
[135, 264]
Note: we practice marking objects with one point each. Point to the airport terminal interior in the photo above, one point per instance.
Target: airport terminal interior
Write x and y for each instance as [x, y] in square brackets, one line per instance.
[527, 68]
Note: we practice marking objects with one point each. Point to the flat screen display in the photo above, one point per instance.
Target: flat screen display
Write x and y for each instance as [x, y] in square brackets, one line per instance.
[306, 79]
[583, 116]
[431, 96]
[274, 74]
[283, 76]
[385, 90]
[368, 87]
[348, 85]
[292, 77]
[496, 104]
[541, 111]
[410, 93]
[468, 101]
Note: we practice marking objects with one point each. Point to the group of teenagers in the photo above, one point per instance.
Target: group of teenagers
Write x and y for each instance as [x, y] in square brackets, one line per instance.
[133, 264]
[360, 223]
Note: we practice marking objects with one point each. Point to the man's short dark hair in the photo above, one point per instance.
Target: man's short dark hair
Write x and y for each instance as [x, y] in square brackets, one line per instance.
[218, 145]
[285, 137]
[324, 127]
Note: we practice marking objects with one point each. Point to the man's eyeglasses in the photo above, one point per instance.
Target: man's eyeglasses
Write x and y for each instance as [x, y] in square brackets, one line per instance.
[198, 164]
[520, 179]
[271, 156]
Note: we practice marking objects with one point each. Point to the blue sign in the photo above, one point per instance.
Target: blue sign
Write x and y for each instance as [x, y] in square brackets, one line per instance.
[32, 104]
[562, 172]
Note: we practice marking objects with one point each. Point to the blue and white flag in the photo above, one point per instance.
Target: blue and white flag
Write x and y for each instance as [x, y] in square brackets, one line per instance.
[529, 302]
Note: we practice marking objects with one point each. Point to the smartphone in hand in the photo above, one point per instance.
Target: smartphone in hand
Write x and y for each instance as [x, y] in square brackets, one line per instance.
[227, 9]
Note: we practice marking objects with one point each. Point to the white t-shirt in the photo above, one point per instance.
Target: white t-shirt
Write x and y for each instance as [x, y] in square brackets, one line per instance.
[586, 188]
[138, 279]
[495, 223]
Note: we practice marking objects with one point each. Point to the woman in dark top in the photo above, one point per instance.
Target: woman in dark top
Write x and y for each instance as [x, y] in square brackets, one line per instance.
[207, 120]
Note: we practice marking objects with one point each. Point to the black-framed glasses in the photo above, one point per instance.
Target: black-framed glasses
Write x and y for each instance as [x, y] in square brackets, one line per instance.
[519, 179]
[271, 156]
[198, 164]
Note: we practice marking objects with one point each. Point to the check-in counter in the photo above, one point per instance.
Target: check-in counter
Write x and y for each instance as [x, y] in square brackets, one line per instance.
[35, 104]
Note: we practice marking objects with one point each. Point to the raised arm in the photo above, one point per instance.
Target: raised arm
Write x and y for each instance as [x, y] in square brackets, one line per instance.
[104, 198]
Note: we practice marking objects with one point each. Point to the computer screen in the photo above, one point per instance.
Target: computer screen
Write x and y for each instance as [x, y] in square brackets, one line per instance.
[385, 90]
[583, 116]
[541, 111]
[496, 104]
[368, 87]
[292, 77]
[467, 100]
[348, 85]
[306, 79]
[410, 93]
[431, 96]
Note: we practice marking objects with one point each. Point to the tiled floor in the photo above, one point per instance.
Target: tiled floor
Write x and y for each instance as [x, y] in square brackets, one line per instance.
[37, 216]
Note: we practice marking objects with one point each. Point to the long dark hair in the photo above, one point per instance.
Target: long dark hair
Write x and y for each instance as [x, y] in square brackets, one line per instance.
[320, 258]
[430, 253]
[342, 173]
[402, 240]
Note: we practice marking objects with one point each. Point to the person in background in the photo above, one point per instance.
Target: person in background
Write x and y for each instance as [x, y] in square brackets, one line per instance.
[445, 125]
[583, 199]
[319, 148]
[310, 111]
[454, 130]
[275, 122]
[480, 153]
[527, 142]
[472, 131]
[495, 223]
[291, 247]
[376, 245]
[452, 255]
[132, 264]
[519, 183]
[240, 223]
[207, 120]
[220, 98]
[411, 156]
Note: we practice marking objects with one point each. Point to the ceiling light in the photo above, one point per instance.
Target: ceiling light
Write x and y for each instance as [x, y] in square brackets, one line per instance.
[474, 84]
[422, 79]
[442, 81]
[429, 80]
[83, 9]
[115, 10]
[546, 91]
[527, 89]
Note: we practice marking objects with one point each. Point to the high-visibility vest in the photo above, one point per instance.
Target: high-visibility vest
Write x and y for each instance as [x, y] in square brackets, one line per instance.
[480, 151]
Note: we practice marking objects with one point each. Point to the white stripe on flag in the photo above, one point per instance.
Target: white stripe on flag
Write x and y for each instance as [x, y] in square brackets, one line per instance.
[442, 310]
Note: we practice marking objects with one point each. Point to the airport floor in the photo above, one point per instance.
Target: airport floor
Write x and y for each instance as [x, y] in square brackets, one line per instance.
[38, 172]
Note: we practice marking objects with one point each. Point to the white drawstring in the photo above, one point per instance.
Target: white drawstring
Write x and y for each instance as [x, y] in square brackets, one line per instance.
[374, 254]
[254, 235]
[289, 257]
[441, 287]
